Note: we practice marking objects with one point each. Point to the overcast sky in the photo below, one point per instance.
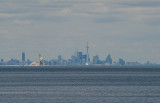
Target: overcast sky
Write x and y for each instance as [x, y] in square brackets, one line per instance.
[128, 29]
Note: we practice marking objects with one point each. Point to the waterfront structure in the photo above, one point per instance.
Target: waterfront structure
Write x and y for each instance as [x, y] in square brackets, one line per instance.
[40, 60]
[133, 63]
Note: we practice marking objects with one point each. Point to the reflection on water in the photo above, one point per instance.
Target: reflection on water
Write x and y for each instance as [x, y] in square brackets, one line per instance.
[80, 87]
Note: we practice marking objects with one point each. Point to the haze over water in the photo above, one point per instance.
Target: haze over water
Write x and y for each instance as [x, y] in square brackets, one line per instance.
[127, 29]
[90, 86]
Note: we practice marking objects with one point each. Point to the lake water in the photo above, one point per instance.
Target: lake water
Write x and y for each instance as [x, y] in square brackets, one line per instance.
[80, 87]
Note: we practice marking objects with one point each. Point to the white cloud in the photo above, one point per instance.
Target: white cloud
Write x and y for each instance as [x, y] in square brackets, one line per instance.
[13, 15]
[65, 11]
[22, 21]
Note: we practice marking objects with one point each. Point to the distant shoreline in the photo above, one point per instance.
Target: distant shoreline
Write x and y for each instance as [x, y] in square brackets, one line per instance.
[59, 66]
[79, 68]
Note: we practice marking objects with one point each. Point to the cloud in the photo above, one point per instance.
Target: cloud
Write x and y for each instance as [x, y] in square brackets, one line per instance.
[14, 15]
[63, 12]
[107, 20]
[66, 11]
[140, 3]
[22, 21]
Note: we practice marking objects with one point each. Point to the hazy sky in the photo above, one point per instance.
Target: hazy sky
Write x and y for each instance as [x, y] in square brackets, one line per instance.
[128, 29]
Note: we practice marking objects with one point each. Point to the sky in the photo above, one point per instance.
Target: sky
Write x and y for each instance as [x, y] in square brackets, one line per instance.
[128, 29]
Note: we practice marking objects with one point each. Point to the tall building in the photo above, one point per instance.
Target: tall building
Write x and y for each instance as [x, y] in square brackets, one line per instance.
[59, 59]
[121, 62]
[1, 60]
[109, 59]
[95, 59]
[84, 57]
[23, 56]
[79, 57]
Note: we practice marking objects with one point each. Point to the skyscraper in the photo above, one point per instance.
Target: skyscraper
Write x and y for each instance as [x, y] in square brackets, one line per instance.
[23, 56]
[79, 55]
[109, 59]
[95, 59]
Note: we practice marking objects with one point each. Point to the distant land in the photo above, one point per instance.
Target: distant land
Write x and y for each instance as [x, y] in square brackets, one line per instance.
[79, 68]
[79, 59]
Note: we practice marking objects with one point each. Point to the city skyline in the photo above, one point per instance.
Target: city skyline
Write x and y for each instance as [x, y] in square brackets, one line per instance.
[79, 58]
[22, 58]
[126, 29]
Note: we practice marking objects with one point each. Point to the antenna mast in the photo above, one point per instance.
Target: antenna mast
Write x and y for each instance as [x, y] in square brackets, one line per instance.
[87, 47]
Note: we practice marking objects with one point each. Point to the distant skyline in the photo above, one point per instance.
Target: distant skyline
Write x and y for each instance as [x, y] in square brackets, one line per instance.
[127, 29]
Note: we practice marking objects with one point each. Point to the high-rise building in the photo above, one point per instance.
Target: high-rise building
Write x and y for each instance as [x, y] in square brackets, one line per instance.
[28, 62]
[84, 57]
[109, 59]
[23, 56]
[79, 57]
[121, 62]
[59, 57]
[1, 60]
[95, 59]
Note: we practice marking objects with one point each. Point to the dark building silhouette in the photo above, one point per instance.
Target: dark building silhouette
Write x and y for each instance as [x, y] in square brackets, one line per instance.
[109, 59]
[59, 57]
[84, 57]
[28, 62]
[79, 57]
[23, 56]
[121, 62]
[95, 59]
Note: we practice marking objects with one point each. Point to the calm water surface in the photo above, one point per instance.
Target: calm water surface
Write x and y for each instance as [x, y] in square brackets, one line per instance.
[80, 87]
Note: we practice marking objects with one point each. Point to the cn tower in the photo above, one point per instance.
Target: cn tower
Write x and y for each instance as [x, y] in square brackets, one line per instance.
[87, 47]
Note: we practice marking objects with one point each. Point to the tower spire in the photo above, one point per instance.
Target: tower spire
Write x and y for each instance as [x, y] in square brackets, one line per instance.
[87, 47]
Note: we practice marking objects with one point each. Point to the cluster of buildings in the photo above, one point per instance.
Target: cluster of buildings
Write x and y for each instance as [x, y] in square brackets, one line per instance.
[79, 58]
[12, 61]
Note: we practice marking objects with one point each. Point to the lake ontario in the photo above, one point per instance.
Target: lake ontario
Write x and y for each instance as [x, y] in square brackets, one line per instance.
[80, 86]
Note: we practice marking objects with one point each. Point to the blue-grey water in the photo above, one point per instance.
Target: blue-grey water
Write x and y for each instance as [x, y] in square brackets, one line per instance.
[80, 87]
